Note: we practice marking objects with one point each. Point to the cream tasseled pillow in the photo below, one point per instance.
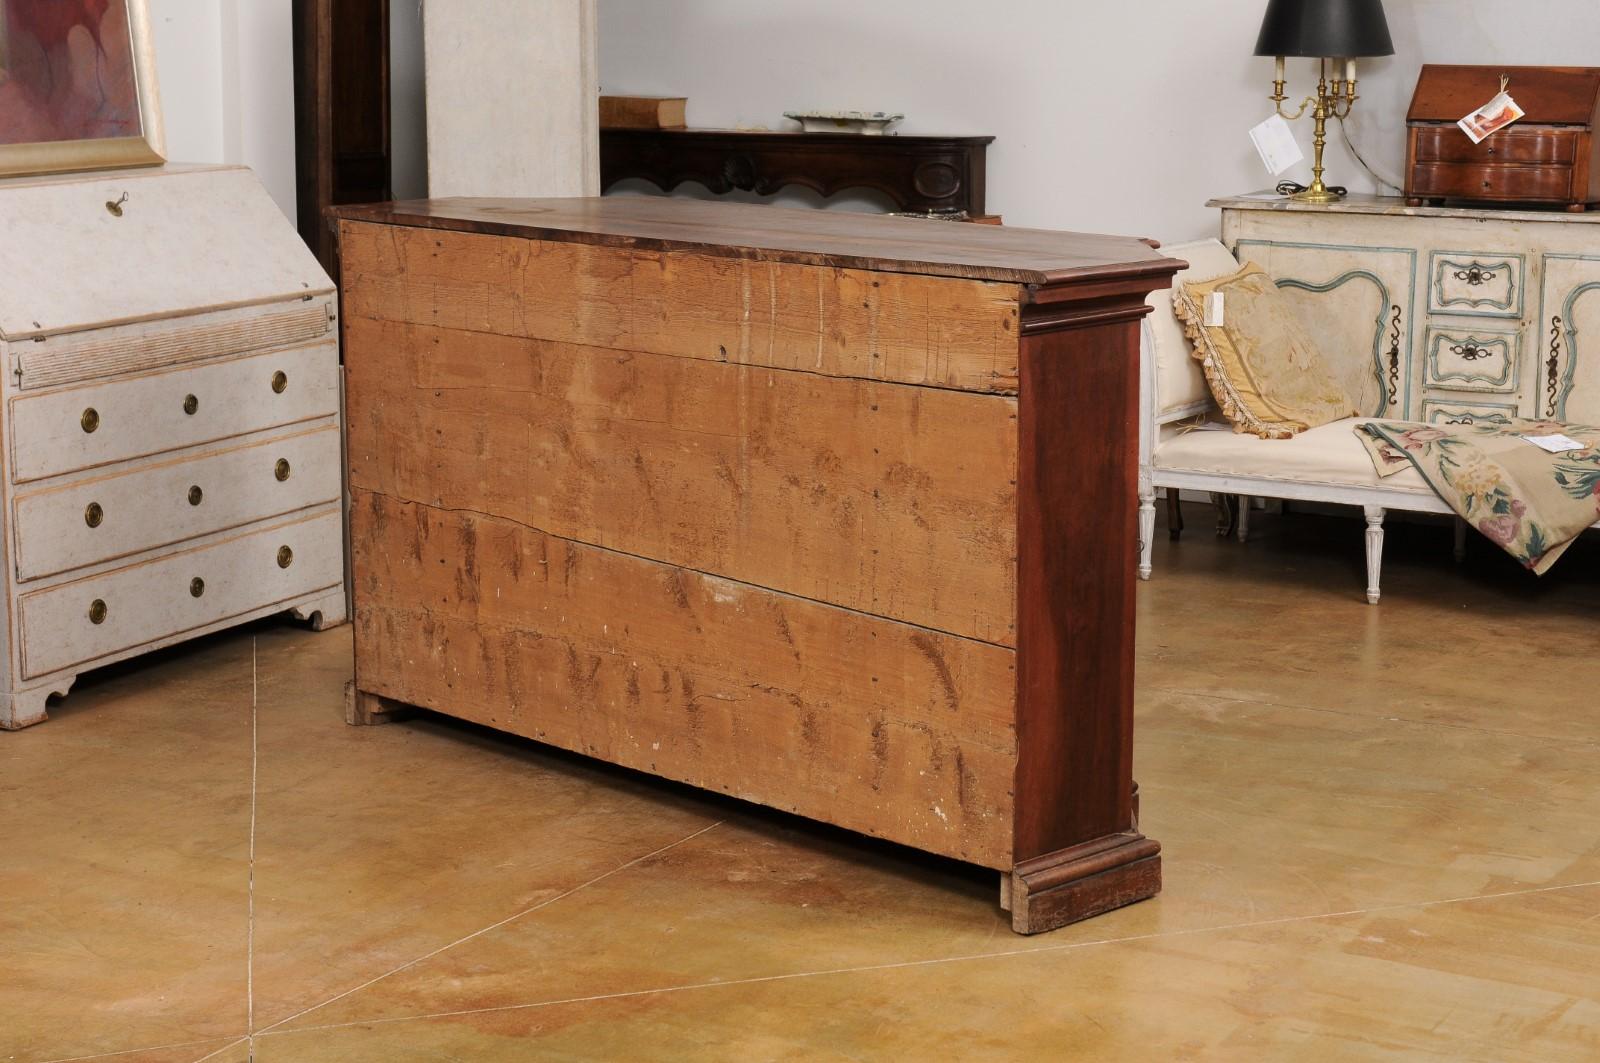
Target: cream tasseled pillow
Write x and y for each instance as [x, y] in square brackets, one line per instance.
[1263, 367]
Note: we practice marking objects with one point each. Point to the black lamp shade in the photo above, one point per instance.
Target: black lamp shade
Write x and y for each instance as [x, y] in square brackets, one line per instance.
[1323, 28]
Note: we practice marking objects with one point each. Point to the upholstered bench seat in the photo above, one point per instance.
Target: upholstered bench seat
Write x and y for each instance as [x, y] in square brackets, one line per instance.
[1329, 455]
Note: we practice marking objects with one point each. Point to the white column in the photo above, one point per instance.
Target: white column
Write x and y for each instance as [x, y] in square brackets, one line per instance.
[512, 97]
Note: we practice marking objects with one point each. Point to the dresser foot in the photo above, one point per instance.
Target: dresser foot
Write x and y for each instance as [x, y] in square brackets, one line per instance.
[362, 709]
[323, 613]
[1085, 880]
[24, 708]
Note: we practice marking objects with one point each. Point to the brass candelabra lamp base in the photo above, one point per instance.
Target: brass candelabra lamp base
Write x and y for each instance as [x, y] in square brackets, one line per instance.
[1333, 100]
[1317, 196]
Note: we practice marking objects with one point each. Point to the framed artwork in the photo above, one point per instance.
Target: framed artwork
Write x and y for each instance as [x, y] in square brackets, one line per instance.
[77, 86]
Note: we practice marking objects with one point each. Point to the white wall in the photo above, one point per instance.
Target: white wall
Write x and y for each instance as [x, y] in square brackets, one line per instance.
[226, 73]
[1111, 116]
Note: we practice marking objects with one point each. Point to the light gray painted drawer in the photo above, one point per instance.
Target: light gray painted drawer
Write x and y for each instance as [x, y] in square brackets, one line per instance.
[1449, 411]
[1485, 284]
[1472, 359]
[79, 622]
[80, 428]
[64, 528]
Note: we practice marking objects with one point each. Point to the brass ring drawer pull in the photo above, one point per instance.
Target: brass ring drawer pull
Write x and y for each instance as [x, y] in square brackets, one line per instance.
[197, 587]
[97, 611]
[93, 514]
[195, 494]
[285, 557]
[280, 380]
[90, 419]
[190, 404]
[281, 469]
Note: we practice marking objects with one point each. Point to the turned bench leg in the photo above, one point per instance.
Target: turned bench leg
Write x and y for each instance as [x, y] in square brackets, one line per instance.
[1243, 529]
[1174, 513]
[1374, 516]
[1460, 551]
[1225, 512]
[362, 709]
[1147, 533]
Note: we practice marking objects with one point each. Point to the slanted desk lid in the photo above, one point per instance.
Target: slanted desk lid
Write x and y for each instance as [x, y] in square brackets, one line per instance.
[1548, 95]
[186, 240]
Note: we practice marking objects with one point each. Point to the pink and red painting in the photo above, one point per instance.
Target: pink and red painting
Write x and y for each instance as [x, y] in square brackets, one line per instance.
[74, 71]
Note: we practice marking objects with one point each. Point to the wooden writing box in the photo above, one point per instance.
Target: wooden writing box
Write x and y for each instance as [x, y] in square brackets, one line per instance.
[1549, 157]
[834, 513]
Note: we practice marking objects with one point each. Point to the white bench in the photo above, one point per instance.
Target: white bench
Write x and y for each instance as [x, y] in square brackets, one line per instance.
[1326, 464]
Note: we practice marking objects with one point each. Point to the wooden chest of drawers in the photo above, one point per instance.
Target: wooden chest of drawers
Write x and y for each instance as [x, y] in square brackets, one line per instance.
[824, 511]
[1550, 156]
[171, 439]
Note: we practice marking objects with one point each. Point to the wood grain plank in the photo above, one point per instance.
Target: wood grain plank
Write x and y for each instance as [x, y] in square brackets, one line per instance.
[935, 331]
[826, 488]
[883, 728]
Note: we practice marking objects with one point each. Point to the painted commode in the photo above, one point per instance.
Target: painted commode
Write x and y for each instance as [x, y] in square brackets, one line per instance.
[171, 445]
[1467, 313]
[1442, 315]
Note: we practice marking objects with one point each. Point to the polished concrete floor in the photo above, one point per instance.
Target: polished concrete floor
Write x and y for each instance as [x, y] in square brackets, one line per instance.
[1381, 829]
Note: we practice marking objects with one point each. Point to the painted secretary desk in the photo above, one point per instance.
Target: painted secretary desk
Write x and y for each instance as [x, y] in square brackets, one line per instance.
[170, 446]
[1469, 314]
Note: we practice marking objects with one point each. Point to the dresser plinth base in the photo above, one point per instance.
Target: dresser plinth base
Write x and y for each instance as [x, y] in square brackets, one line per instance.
[1085, 880]
[323, 613]
[24, 708]
[362, 709]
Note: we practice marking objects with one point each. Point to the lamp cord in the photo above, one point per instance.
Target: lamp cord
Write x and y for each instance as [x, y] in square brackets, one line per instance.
[1289, 188]
[1376, 176]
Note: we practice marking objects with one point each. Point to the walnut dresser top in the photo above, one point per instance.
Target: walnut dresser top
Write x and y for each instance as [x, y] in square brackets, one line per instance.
[813, 237]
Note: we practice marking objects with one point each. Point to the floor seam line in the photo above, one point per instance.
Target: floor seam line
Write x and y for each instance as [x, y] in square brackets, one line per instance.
[906, 964]
[131, 1051]
[492, 926]
[246, 1039]
[250, 931]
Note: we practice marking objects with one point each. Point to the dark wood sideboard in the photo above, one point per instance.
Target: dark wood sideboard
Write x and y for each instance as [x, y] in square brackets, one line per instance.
[936, 175]
[830, 512]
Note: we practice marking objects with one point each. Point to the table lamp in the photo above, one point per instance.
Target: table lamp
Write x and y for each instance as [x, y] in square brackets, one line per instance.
[1323, 30]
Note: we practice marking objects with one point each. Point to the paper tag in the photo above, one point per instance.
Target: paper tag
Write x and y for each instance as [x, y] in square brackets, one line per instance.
[1556, 444]
[1214, 309]
[1275, 143]
[1491, 117]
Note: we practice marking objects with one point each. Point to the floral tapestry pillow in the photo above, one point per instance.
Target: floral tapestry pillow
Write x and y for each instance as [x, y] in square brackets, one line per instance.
[1263, 367]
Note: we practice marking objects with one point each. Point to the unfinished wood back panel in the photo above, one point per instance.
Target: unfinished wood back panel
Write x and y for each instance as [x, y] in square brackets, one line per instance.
[758, 499]
[893, 500]
[939, 331]
[881, 727]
